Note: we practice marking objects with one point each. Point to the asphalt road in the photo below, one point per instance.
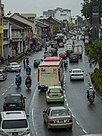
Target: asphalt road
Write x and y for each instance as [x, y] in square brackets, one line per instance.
[86, 118]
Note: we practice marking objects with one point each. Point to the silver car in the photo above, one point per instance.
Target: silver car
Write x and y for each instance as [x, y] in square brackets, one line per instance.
[3, 74]
[76, 74]
[13, 66]
[57, 117]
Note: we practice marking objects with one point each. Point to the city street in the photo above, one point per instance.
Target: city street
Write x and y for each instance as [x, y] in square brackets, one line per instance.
[86, 118]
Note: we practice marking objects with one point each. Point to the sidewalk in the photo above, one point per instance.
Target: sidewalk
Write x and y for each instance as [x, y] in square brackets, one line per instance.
[17, 58]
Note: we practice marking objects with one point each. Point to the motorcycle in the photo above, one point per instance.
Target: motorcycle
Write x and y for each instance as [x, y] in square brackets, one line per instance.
[91, 99]
[18, 83]
[28, 85]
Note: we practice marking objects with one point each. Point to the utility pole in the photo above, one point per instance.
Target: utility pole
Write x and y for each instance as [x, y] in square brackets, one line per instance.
[1, 27]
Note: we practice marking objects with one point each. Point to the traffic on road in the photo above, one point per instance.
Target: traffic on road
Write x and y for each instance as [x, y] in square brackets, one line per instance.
[44, 97]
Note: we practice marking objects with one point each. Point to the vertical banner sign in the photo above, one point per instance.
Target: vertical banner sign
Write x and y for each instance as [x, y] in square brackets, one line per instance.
[95, 23]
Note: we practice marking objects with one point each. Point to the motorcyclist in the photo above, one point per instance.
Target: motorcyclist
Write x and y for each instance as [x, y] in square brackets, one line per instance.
[90, 92]
[28, 70]
[28, 81]
[18, 78]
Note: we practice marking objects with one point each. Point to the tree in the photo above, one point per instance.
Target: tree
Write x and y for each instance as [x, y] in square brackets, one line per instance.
[95, 54]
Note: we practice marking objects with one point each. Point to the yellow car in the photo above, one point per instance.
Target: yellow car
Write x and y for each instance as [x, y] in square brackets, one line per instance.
[54, 94]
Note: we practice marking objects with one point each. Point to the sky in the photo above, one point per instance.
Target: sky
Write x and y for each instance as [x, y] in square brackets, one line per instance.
[38, 6]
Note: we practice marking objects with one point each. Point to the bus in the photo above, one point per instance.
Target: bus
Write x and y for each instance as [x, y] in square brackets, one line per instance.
[50, 73]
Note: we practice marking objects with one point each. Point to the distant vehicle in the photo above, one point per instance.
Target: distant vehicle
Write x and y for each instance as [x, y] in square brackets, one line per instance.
[69, 49]
[76, 74]
[54, 45]
[14, 102]
[13, 66]
[50, 73]
[73, 58]
[54, 94]
[57, 117]
[60, 40]
[37, 62]
[48, 43]
[47, 54]
[14, 123]
[3, 74]
[78, 49]
[53, 51]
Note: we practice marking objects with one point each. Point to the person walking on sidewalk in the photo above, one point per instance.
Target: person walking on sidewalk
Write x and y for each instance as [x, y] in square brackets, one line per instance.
[27, 61]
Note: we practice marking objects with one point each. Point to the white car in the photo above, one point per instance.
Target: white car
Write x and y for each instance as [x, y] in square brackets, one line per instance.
[14, 123]
[3, 74]
[57, 117]
[13, 66]
[76, 74]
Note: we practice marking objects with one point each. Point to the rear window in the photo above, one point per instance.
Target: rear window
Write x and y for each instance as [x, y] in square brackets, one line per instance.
[12, 124]
[59, 112]
[13, 99]
[77, 71]
[55, 90]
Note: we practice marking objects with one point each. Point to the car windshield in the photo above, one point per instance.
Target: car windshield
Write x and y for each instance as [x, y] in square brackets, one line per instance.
[10, 99]
[12, 124]
[55, 90]
[59, 112]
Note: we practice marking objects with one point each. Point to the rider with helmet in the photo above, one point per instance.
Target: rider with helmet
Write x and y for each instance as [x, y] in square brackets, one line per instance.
[18, 78]
[90, 92]
[28, 81]
[28, 70]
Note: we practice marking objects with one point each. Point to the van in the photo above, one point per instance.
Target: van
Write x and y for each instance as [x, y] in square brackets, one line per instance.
[14, 123]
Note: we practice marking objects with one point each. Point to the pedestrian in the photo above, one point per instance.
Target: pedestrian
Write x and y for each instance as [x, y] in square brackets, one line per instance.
[27, 61]
[24, 63]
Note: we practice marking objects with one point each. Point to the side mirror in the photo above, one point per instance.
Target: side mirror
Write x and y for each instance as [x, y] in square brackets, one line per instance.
[41, 59]
[4, 97]
[27, 115]
[69, 70]
[24, 97]
[44, 111]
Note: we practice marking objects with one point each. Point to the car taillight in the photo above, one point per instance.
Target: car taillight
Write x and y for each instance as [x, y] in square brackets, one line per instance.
[59, 74]
[68, 120]
[61, 91]
[52, 121]
[49, 91]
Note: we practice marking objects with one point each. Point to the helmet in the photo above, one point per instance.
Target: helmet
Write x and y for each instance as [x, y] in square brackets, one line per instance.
[17, 74]
[91, 87]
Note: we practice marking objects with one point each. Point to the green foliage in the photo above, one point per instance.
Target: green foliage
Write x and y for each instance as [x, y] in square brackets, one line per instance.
[96, 79]
[95, 53]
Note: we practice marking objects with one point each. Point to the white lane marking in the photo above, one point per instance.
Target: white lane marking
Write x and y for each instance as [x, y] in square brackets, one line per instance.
[6, 90]
[67, 104]
[69, 109]
[84, 131]
[77, 122]
[65, 99]
[33, 121]
[73, 116]
[9, 87]
[12, 84]
[3, 93]
[33, 110]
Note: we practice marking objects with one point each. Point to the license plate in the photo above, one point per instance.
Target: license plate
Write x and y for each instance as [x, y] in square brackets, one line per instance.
[12, 105]
[61, 121]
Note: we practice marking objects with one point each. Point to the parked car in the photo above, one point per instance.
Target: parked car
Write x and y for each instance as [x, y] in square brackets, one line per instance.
[73, 58]
[54, 94]
[14, 102]
[57, 117]
[54, 45]
[76, 74]
[14, 123]
[13, 66]
[3, 74]
[53, 51]
[37, 62]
